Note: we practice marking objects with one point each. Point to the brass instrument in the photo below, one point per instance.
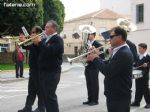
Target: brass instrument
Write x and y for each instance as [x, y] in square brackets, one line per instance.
[84, 54]
[29, 41]
[126, 24]
[86, 30]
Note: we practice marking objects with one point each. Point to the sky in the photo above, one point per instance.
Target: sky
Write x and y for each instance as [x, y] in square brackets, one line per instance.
[76, 8]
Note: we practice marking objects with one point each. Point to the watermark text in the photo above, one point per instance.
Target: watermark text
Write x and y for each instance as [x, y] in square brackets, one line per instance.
[19, 4]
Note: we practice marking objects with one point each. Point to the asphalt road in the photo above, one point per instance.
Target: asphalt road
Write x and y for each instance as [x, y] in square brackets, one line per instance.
[71, 93]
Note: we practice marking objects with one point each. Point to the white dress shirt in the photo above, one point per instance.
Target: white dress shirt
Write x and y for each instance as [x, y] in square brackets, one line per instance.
[142, 55]
[89, 43]
[114, 51]
[49, 36]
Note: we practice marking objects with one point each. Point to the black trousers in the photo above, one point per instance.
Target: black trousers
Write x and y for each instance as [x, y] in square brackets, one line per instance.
[49, 82]
[92, 83]
[118, 106]
[19, 69]
[142, 89]
[34, 90]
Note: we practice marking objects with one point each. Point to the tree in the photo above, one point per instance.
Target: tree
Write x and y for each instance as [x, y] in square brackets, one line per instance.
[54, 9]
[14, 17]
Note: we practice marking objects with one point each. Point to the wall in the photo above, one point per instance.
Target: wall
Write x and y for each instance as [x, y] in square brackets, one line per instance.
[142, 35]
[6, 58]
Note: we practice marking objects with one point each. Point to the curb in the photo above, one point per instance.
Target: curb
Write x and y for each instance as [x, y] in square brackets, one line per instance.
[2, 81]
[13, 80]
[11, 70]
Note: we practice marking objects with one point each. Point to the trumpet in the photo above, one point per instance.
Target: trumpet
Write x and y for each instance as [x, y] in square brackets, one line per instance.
[29, 41]
[83, 55]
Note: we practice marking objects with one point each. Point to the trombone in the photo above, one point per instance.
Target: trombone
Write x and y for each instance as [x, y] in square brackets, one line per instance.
[83, 55]
[28, 41]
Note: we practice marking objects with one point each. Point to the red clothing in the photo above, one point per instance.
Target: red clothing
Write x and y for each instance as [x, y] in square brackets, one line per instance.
[20, 56]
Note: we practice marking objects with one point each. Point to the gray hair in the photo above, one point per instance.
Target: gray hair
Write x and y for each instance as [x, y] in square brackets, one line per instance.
[54, 24]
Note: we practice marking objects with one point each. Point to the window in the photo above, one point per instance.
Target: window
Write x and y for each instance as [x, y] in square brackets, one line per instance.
[140, 13]
[3, 47]
[75, 35]
[76, 50]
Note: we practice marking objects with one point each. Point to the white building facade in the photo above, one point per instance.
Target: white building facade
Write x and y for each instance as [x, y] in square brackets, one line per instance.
[140, 16]
[102, 20]
[119, 6]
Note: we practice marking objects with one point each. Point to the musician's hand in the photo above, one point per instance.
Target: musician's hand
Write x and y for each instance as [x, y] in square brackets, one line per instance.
[144, 65]
[91, 48]
[91, 56]
[110, 51]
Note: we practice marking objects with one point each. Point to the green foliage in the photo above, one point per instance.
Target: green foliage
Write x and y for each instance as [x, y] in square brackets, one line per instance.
[54, 9]
[13, 18]
[10, 66]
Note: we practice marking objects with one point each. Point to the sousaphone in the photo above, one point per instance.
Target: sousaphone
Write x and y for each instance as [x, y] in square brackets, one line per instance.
[126, 24]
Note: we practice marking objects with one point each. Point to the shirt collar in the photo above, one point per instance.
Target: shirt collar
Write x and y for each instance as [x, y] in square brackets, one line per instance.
[49, 36]
[142, 55]
[90, 43]
[117, 48]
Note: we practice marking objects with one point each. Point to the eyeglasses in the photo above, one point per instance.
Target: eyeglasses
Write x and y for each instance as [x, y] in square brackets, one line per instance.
[112, 36]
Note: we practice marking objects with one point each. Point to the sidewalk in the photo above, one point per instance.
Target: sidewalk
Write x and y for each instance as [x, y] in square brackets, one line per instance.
[9, 76]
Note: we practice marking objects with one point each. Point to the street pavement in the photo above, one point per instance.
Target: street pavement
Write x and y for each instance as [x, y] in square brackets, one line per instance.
[71, 93]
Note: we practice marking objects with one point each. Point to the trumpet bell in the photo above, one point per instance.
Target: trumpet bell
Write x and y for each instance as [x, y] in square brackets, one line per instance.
[126, 24]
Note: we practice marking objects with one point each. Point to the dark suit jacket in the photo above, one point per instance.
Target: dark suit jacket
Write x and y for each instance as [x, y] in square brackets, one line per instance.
[118, 74]
[33, 56]
[145, 71]
[50, 54]
[133, 50]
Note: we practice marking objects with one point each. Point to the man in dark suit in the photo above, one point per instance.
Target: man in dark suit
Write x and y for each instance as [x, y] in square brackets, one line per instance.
[50, 59]
[91, 74]
[33, 84]
[117, 72]
[142, 84]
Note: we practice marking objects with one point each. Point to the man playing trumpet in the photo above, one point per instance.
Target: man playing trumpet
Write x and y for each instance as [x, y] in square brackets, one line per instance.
[117, 72]
[33, 84]
[51, 50]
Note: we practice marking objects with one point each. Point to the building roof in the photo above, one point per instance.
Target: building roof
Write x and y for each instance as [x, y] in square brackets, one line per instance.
[101, 14]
